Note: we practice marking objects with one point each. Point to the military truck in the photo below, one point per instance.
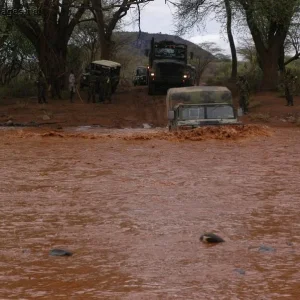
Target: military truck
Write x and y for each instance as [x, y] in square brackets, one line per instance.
[99, 68]
[141, 76]
[168, 66]
[191, 107]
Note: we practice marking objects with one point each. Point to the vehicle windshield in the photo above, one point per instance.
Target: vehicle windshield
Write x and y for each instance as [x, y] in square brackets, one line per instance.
[141, 71]
[192, 113]
[206, 112]
[220, 112]
[178, 53]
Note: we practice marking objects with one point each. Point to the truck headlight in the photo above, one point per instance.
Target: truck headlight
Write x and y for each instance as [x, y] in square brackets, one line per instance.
[185, 76]
[152, 74]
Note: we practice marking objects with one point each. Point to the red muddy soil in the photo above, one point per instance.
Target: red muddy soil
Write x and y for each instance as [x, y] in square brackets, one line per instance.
[132, 108]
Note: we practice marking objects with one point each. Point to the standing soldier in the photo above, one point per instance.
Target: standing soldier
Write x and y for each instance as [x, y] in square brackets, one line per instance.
[92, 89]
[42, 86]
[289, 87]
[108, 88]
[72, 85]
[102, 87]
[243, 87]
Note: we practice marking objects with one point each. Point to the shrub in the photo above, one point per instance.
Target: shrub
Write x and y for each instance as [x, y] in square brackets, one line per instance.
[19, 88]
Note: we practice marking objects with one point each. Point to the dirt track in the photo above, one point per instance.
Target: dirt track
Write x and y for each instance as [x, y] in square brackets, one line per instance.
[131, 108]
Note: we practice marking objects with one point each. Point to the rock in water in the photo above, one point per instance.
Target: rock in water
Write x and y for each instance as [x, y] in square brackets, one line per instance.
[264, 248]
[211, 238]
[60, 252]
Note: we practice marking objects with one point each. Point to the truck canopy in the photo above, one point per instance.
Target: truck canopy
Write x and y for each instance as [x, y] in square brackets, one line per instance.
[198, 95]
[107, 63]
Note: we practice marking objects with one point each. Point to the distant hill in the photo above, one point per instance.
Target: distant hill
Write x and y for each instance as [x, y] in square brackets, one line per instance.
[141, 41]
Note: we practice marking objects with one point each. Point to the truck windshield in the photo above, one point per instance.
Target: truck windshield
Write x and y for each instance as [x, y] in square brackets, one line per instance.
[169, 53]
[206, 112]
[192, 113]
[220, 112]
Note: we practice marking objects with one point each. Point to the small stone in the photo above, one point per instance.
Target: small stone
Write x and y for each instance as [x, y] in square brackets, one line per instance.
[46, 117]
[240, 271]
[9, 123]
[146, 126]
[211, 238]
[264, 248]
[60, 252]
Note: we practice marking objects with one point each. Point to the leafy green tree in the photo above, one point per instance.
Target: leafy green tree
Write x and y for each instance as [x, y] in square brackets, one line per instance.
[48, 25]
[193, 14]
[269, 22]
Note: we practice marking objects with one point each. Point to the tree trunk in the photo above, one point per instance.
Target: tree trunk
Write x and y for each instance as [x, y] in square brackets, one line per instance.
[105, 46]
[53, 64]
[281, 63]
[234, 63]
[270, 69]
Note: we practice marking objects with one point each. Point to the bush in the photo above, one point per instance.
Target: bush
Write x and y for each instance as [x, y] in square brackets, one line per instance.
[295, 72]
[19, 88]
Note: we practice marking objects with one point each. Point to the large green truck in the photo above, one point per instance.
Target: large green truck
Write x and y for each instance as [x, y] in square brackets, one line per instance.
[168, 66]
[191, 107]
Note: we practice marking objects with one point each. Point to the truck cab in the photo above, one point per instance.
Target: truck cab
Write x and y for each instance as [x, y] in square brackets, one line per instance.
[191, 107]
[168, 66]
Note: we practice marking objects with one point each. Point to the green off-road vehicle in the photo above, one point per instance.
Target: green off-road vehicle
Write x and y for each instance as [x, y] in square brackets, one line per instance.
[191, 107]
[100, 68]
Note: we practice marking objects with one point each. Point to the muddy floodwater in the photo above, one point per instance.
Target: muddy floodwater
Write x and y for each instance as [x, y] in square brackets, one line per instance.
[132, 212]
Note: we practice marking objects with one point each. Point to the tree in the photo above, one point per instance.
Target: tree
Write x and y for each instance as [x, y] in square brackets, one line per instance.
[202, 61]
[269, 22]
[193, 13]
[49, 33]
[108, 14]
[16, 53]
[292, 42]
[85, 36]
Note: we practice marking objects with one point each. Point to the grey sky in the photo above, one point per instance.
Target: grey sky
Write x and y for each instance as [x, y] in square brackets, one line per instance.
[157, 17]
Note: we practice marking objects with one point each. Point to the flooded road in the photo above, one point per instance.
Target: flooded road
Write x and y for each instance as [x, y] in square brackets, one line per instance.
[132, 213]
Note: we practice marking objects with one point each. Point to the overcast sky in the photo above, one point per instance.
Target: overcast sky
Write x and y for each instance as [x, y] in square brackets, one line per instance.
[157, 17]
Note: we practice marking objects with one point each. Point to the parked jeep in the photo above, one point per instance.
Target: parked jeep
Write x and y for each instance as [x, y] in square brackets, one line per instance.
[140, 76]
[100, 67]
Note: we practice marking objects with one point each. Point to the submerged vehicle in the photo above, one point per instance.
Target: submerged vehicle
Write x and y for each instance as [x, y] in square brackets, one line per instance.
[191, 107]
[100, 68]
[140, 76]
[168, 66]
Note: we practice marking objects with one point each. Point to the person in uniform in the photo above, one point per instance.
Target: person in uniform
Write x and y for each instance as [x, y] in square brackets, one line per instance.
[102, 87]
[243, 87]
[72, 85]
[108, 88]
[289, 81]
[42, 87]
[92, 90]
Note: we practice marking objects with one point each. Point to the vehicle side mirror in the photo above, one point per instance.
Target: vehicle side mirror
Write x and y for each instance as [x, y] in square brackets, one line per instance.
[147, 52]
[191, 55]
[240, 112]
[171, 115]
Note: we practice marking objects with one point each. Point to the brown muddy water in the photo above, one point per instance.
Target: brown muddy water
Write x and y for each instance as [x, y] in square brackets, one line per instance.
[132, 212]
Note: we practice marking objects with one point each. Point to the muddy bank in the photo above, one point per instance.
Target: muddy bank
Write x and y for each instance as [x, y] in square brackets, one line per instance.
[131, 109]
